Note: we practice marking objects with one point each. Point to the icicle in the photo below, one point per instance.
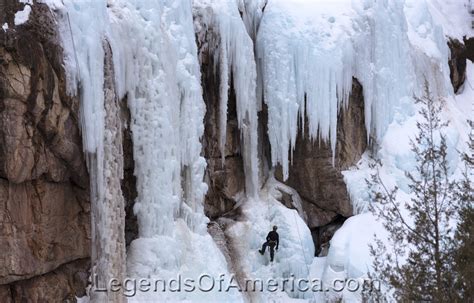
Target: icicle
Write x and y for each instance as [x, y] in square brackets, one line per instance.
[308, 54]
[224, 98]
[90, 71]
[236, 54]
[155, 55]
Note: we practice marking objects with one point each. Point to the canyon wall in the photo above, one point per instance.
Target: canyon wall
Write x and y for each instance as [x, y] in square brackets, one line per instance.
[45, 215]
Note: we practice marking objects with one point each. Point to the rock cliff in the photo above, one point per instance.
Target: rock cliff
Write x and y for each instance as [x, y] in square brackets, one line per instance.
[44, 196]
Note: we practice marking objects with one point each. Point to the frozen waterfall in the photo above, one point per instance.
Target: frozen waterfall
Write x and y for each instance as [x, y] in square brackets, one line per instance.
[298, 58]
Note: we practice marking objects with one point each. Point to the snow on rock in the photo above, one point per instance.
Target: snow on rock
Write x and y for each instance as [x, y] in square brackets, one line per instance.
[184, 254]
[23, 15]
[348, 252]
[310, 50]
[348, 256]
[5, 27]
[347, 259]
[415, 35]
[453, 15]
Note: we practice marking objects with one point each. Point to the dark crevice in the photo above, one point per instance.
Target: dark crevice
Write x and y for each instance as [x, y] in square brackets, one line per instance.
[323, 234]
[226, 179]
[129, 181]
[469, 48]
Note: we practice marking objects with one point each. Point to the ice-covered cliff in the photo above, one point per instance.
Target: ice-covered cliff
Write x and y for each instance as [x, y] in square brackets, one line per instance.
[244, 114]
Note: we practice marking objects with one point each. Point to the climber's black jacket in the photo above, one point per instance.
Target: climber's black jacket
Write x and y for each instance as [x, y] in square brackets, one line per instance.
[273, 237]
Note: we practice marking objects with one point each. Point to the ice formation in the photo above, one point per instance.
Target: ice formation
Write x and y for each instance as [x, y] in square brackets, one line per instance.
[303, 71]
[427, 28]
[158, 72]
[311, 50]
[299, 58]
[162, 80]
[235, 59]
[88, 75]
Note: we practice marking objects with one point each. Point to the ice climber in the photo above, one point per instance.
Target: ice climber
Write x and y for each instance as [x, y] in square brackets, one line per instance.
[272, 240]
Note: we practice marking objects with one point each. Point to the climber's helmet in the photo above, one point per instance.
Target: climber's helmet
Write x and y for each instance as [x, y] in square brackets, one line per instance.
[275, 227]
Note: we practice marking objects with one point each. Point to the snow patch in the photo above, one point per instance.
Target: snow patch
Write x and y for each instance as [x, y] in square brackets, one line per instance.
[22, 16]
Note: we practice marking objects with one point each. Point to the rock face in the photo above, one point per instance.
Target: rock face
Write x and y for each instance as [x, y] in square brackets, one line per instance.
[457, 63]
[44, 194]
[44, 225]
[224, 178]
[460, 52]
[312, 174]
[61, 285]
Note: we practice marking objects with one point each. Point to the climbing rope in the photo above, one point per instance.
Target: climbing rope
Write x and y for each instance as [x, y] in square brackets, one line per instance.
[73, 44]
[299, 237]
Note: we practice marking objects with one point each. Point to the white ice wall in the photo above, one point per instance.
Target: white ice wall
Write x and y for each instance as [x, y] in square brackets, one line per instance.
[156, 68]
[86, 50]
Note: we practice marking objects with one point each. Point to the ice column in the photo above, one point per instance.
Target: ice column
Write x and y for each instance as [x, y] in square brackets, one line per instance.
[88, 60]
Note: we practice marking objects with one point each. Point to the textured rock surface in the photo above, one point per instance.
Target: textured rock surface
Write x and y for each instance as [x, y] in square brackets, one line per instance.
[44, 225]
[457, 63]
[44, 195]
[61, 285]
[226, 179]
[460, 52]
[312, 174]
